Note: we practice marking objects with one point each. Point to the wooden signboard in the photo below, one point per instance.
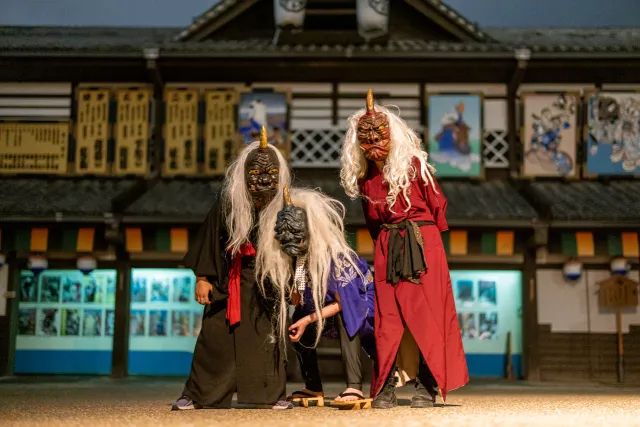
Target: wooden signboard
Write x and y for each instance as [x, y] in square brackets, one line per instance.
[618, 291]
[181, 132]
[132, 131]
[34, 147]
[92, 131]
[219, 129]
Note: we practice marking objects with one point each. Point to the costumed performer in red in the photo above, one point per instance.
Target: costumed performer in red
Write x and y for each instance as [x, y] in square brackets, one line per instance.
[383, 162]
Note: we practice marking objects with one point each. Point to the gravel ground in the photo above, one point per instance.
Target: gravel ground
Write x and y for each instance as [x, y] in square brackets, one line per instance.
[143, 401]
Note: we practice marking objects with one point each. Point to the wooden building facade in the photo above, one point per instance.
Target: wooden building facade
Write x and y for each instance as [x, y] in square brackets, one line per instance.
[113, 142]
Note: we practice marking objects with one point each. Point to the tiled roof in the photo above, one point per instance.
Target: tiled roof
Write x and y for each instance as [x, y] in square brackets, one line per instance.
[174, 200]
[567, 40]
[123, 42]
[616, 202]
[487, 202]
[469, 203]
[57, 199]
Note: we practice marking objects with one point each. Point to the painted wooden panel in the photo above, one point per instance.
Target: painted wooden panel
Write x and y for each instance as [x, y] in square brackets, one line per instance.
[181, 132]
[92, 131]
[34, 147]
[132, 131]
[219, 129]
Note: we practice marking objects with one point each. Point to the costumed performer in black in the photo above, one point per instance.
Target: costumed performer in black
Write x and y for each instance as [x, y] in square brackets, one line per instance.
[237, 350]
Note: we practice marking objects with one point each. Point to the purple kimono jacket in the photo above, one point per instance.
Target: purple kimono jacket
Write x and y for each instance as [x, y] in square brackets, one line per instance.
[356, 300]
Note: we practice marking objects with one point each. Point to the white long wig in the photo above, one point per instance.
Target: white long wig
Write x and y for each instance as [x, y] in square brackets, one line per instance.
[236, 200]
[398, 170]
[327, 248]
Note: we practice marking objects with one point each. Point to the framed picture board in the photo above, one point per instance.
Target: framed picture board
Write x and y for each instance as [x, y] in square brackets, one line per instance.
[613, 133]
[549, 134]
[454, 131]
[259, 108]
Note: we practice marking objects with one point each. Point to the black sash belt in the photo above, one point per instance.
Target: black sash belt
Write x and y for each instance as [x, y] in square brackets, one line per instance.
[405, 257]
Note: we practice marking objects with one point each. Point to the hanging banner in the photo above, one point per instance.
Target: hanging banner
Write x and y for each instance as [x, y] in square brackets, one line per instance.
[219, 129]
[132, 131]
[92, 131]
[34, 147]
[181, 132]
[373, 18]
[289, 13]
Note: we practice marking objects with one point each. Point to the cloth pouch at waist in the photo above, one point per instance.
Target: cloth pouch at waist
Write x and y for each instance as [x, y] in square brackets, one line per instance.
[405, 254]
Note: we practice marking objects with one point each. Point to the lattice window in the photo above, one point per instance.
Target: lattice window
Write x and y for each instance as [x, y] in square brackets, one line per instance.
[495, 149]
[316, 147]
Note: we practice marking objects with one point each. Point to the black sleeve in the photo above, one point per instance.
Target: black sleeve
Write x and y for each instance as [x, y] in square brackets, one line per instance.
[207, 254]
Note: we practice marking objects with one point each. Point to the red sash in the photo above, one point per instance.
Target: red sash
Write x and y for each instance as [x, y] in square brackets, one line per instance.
[233, 301]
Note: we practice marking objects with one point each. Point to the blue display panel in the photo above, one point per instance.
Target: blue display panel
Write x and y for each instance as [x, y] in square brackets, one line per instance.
[65, 322]
[164, 321]
[489, 306]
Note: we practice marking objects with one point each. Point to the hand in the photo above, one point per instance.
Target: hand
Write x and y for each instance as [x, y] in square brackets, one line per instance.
[203, 288]
[297, 329]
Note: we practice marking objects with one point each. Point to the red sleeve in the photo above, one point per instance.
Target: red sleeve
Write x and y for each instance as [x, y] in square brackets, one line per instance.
[438, 205]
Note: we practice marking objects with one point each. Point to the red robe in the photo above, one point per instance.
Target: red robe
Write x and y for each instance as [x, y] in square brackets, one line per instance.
[427, 308]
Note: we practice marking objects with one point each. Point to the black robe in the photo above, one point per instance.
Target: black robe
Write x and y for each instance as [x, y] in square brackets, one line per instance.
[243, 358]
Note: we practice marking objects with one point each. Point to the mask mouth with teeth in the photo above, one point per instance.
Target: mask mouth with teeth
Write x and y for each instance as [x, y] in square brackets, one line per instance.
[292, 229]
[373, 132]
[262, 172]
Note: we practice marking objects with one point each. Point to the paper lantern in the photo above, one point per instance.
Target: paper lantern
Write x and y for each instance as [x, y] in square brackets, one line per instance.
[86, 264]
[37, 264]
[620, 266]
[572, 270]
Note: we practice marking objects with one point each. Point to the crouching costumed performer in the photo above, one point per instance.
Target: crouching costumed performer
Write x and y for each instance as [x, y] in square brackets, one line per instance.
[416, 328]
[236, 350]
[327, 279]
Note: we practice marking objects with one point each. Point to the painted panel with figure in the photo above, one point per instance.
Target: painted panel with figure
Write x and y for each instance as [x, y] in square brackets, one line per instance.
[549, 136]
[613, 138]
[270, 109]
[454, 123]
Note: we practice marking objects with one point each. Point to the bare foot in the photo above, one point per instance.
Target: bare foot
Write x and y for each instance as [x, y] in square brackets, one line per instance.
[343, 398]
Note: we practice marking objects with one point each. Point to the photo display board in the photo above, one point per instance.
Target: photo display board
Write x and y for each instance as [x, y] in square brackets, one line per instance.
[164, 321]
[67, 318]
[489, 305]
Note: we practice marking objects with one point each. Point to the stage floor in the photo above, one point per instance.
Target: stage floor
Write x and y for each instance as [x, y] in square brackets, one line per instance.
[147, 401]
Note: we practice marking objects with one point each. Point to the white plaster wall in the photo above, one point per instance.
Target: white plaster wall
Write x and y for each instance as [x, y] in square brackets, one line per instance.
[560, 303]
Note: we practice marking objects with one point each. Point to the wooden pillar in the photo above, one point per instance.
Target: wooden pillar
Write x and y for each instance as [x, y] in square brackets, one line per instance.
[155, 77]
[120, 354]
[8, 344]
[334, 103]
[522, 57]
[531, 357]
